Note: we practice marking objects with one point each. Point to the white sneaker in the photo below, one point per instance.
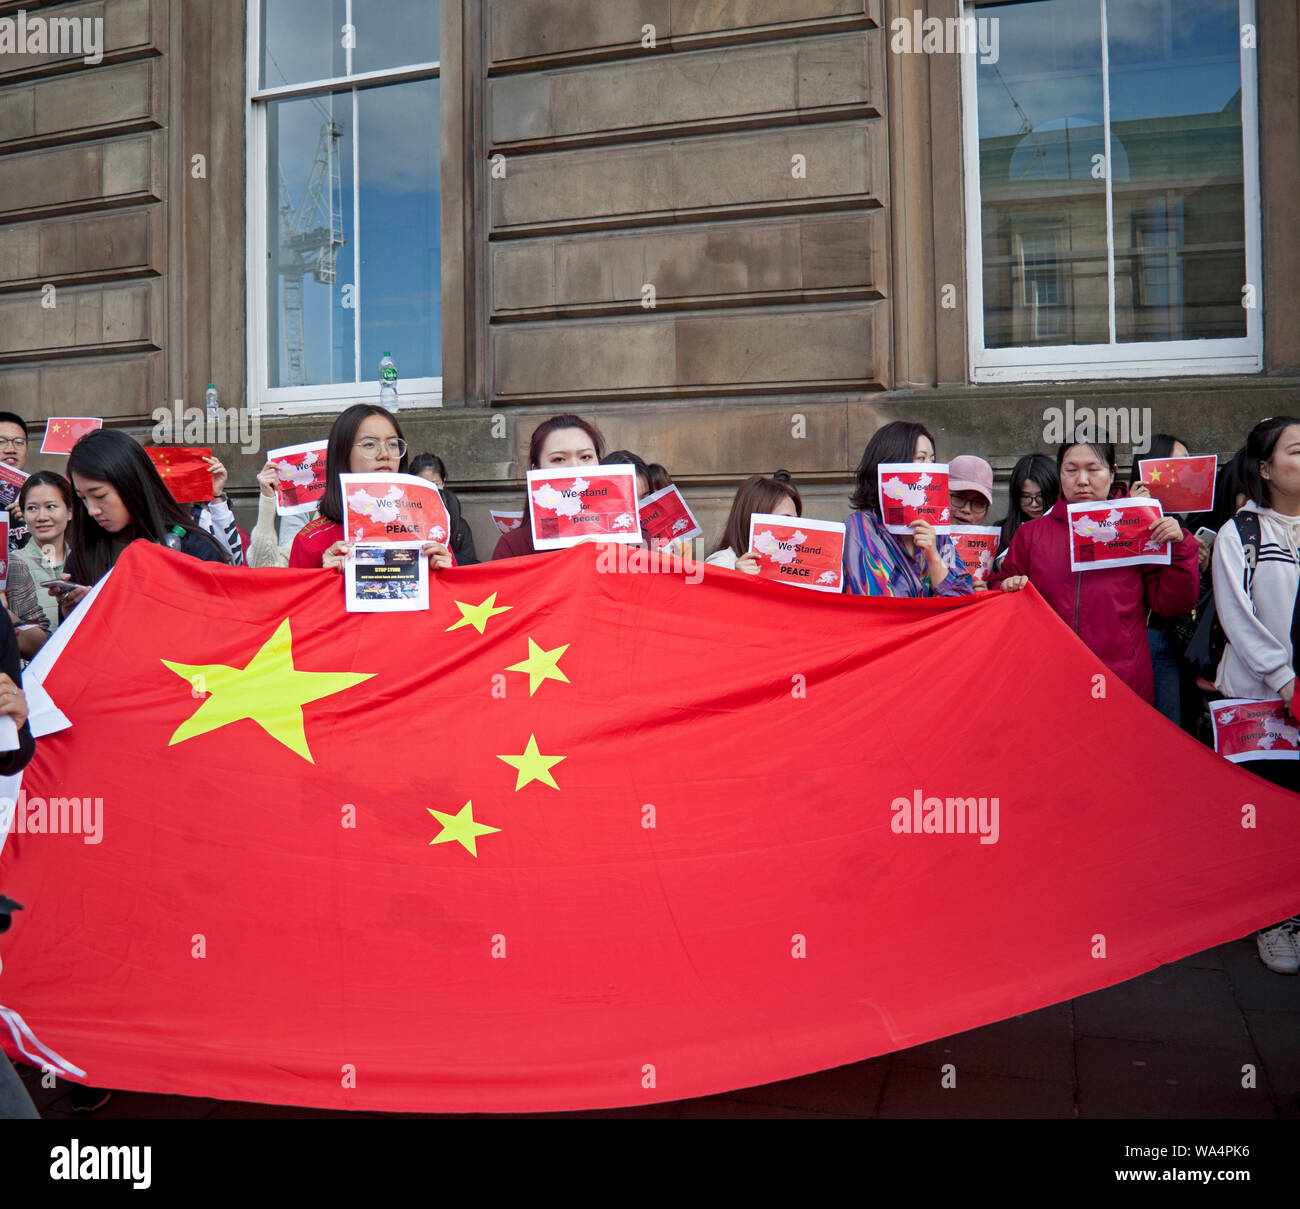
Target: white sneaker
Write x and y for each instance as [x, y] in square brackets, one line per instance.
[1277, 949]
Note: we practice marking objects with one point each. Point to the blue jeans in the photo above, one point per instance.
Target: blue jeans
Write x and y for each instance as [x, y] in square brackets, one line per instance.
[1164, 668]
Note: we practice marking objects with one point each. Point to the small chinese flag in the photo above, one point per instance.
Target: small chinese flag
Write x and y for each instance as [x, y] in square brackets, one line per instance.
[184, 469]
[63, 432]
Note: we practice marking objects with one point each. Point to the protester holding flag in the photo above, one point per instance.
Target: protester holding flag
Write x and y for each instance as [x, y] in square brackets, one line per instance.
[1256, 607]
[216, 518]
[365, 439]
[46, 502]
[880, 563]
[565, 440]
[1107, 607]
[121, 498]
[430, 466]
[776, 496]
[1035, 488]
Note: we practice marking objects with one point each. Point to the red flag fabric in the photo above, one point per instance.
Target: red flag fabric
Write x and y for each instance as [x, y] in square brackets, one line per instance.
[184, 470]
[580, 836]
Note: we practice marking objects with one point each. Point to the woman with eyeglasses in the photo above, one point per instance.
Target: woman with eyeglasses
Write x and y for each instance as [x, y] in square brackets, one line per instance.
[365, 439]
[1035, 488]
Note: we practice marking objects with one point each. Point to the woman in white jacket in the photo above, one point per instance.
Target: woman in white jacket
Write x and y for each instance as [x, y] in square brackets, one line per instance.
[1256, 606]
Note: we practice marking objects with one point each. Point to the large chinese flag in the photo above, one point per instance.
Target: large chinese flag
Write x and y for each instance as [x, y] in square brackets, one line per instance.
[584, 837]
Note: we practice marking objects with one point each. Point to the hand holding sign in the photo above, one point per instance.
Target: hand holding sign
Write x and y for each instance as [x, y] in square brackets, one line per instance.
[1120, 533]
[300, 476]
[798, 550]
[912, 491]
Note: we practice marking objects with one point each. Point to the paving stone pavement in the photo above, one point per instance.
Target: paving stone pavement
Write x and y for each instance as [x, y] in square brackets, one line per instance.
[1170, 1044]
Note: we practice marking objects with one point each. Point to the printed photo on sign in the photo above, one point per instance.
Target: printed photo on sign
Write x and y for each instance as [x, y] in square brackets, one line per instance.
[301, 470]
[1115, 533]
[1181, 484]
[184, 471]
[507, 522]
[976, 546]
[63, 432]
[386, 579]
[388, 507]
[797, 550]
[11, 483]
[1254, 730]
[568, 506]
[666, 518]
[4, 551]
[913, 491]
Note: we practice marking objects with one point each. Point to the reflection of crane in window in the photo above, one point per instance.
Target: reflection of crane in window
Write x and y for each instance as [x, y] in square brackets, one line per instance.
[1026, 126]
[311, 235]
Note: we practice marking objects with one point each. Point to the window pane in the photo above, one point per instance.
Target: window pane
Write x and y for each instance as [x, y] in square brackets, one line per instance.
[401, 246]
[1043, 212]
[310, 331]
[394, 33]
[1180, 236]
[302, 40]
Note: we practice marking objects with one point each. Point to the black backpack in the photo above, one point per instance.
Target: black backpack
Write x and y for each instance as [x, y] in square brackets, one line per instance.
[1205, 650]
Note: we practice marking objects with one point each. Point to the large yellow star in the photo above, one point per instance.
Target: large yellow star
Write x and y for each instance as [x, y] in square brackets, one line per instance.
[532, 765]
[269, 690]
[460, 827]
[541, 665]
[478, 615]
[1155, 475]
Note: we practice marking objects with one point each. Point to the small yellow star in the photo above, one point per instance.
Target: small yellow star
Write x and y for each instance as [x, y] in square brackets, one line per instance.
[478, 615]
[541, 665]
[460, 827]
[532, 765]
[268, 690]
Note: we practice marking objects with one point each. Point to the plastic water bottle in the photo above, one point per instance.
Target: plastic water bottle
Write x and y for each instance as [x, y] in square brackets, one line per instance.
[172, 538]
[387, 382]
[210, 401]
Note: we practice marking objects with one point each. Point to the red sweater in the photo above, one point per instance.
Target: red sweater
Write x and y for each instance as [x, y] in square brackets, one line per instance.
[1106, 609]
[313, 539]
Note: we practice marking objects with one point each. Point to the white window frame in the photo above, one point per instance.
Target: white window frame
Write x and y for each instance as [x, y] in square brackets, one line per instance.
[1131, 359]
[307, 400]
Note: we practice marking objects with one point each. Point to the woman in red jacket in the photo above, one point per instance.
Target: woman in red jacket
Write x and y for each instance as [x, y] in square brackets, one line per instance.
[1106, 609]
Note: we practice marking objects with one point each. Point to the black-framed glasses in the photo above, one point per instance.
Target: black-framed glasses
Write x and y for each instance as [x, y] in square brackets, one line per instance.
[1030, 499]
[14, 443]
[376, 449]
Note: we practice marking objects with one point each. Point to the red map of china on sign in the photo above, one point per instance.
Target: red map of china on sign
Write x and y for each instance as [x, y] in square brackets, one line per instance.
[1254, 730]
[799, 551]
[1115, 533]
[301, 470]
[384, 508]
[567, 508]
[913, 491]
[63, 432]
[1181, 484]
[665, 517]
[976, 545]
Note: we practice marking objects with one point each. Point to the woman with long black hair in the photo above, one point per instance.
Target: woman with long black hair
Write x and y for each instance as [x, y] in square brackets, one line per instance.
[120, 498]
[880, 563]
[365, 439]
[1035, 488]
[1256, 603]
